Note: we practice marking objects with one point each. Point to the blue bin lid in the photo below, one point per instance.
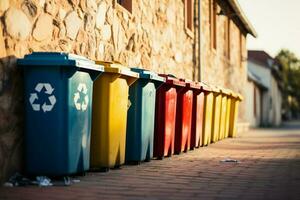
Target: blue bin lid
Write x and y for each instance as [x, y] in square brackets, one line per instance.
[146, 74]
[58, 59]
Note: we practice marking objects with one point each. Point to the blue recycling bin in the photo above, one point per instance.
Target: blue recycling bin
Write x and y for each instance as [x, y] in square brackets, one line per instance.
[58, 110]
[141, 116]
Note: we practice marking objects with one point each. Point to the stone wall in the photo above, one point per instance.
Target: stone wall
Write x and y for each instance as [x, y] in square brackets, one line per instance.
[153, 37]
[216, 68]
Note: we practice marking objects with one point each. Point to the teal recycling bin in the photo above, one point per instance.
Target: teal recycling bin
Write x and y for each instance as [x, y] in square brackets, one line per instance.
[58, 109]
[141, 116]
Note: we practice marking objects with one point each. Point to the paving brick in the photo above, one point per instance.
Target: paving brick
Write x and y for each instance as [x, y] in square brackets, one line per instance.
[268, 169]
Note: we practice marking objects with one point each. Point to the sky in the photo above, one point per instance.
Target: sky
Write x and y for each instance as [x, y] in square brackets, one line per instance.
[277, 23]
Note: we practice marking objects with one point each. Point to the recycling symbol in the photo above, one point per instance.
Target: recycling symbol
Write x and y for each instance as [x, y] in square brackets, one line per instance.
[34, 96]
[81, 105]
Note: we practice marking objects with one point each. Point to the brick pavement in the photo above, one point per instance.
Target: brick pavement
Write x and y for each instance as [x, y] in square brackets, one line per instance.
[269, 168]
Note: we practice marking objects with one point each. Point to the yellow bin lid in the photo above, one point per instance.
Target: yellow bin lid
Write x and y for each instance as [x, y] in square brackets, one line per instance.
[118, 68]
[226, 91]
[215, 89]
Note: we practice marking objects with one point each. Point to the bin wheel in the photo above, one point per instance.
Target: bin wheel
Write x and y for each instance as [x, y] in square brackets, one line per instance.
[133, 162]
[81, 174]
[160, 157]
[117, 167]
[99, 169]
[103, 169]
[147, 159]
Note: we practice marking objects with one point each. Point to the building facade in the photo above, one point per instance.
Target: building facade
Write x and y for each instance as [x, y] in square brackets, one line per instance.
[267, 72]
[198, 40]
[254, 99]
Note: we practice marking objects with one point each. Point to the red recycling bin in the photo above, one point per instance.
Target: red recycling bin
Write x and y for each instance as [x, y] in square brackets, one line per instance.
[165, 116]
[197, 117]
[184, 117]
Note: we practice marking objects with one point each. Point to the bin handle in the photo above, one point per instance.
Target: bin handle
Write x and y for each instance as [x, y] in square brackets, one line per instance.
[93, 74]
[130, 80]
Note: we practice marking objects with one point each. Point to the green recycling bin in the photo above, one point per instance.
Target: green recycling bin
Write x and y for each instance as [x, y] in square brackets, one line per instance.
[58, 111]
[141, 115]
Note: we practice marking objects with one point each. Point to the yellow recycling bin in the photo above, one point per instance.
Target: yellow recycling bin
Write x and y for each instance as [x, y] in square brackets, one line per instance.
[207, 117]
[216, 114]
[235, 100]
[110, 104]
[228, 111]
[224, 110]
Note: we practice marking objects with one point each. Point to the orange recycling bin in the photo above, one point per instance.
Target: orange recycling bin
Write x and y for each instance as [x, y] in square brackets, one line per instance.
[235, 100]
[184, 116]
[208, 114]
[165, 116]
[197, 117]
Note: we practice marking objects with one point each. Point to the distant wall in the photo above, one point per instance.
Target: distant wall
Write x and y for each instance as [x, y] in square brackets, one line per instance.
[275, 117]
[272, 98]
[253, 118]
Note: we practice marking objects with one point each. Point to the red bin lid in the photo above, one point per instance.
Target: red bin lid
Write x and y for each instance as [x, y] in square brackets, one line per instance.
[191, 84]
[173, 80]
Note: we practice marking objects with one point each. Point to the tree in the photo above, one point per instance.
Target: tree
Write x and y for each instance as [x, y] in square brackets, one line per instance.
[291, 81]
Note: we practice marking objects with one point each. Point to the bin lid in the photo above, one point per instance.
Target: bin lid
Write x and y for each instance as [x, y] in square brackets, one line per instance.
[146, 74]
[206, 87]
[58, 59]
[118, 68]
[170, 79]
[240, 97]
[237, 96]
[191, 84]
[233, 94]
[215, 89]
[226, 91]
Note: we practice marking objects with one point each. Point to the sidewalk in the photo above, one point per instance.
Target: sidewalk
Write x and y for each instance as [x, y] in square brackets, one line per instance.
[269, 168]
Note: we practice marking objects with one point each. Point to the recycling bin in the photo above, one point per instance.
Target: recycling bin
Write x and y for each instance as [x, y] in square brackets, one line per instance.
[184, 116]
[228, 111]
[225, 94]
[58, 109]
[165, 116]
[208, 114]
[108, 139]
[141, 115]
[197, 116]
[216, 114]
[237, 98]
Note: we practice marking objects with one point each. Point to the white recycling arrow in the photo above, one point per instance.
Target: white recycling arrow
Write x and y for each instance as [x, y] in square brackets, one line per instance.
[83, 89]
[46, 107]
[84, 104]
[76, 98]
[39, 87]
[34, 96]
[48, 88]
[80, 86]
